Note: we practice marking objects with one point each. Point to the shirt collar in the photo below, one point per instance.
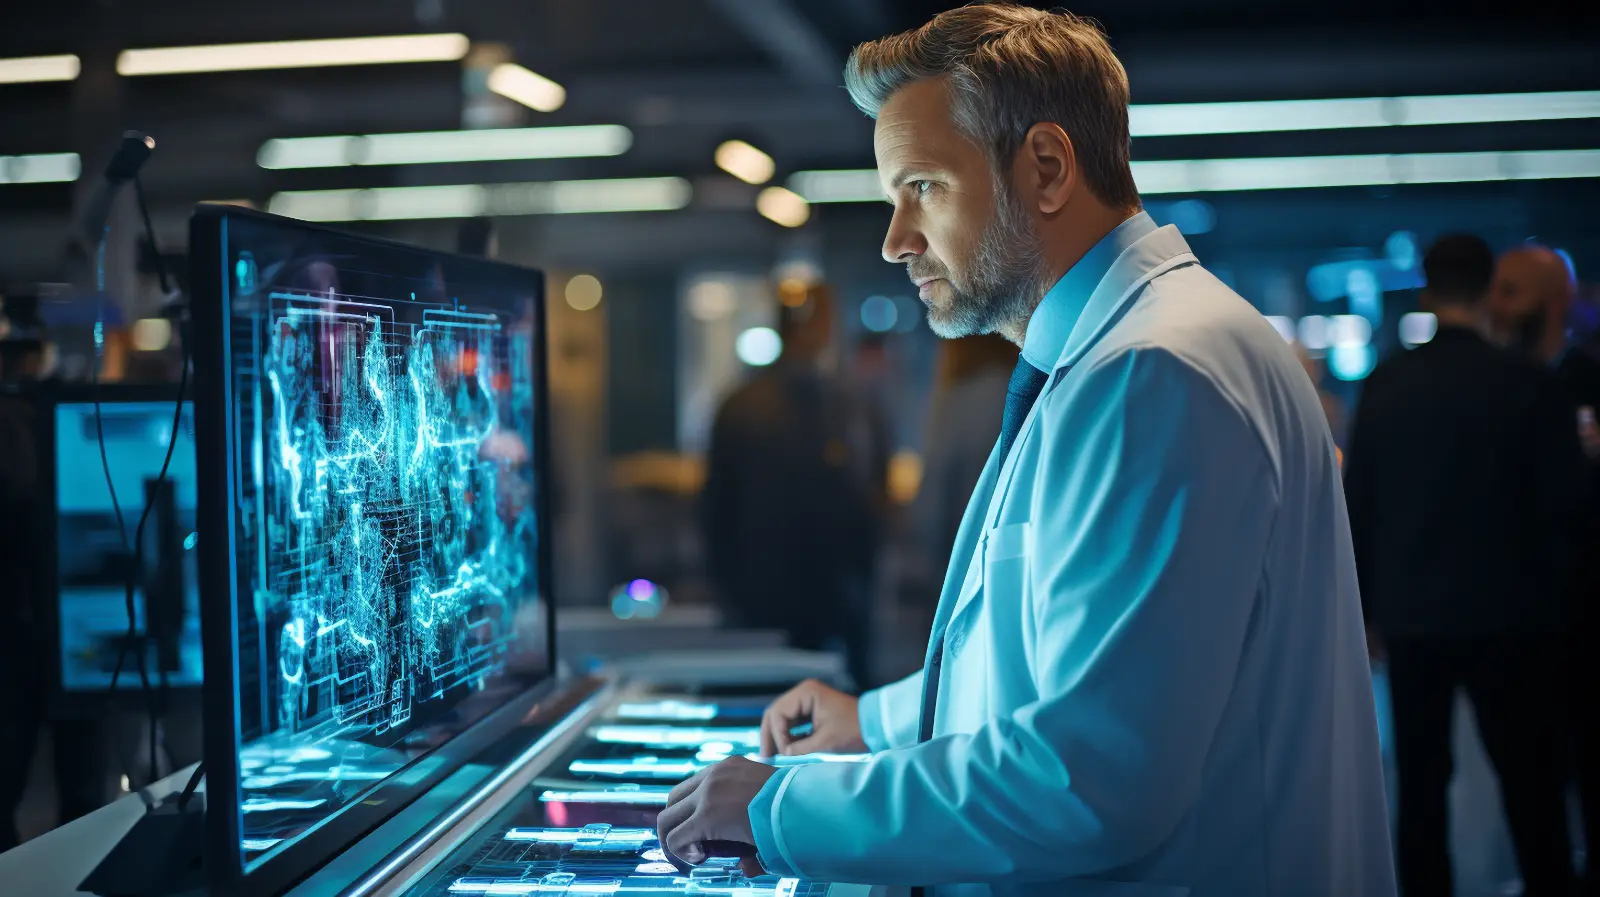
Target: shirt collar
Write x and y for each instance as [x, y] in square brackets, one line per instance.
[1058, 313]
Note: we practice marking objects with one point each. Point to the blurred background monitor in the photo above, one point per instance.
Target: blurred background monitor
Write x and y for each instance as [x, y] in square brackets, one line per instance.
[93, 555]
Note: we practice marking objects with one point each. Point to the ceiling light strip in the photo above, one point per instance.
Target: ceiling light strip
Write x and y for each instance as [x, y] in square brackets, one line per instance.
[35, 69]
[1184, 119]
[477, 200]
[405, 48]
[1283, 173]
[428, 147]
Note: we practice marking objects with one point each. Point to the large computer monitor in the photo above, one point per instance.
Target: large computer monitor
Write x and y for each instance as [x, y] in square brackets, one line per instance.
[90, 560]
[374, 554]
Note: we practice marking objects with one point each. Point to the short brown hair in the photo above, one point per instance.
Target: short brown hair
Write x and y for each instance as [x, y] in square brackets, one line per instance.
[1011, 67]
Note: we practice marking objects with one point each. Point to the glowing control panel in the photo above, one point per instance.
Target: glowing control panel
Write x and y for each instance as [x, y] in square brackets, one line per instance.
[590, 836]
[667, 711]
[652, 767]
[643, 767]
[640, 795]
[669, 736]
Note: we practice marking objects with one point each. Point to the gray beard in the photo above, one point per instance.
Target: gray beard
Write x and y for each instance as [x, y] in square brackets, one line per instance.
[1006, 281]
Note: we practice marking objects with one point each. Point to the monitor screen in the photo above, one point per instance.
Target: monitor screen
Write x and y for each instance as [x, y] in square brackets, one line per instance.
[381, 409]
[93, 557]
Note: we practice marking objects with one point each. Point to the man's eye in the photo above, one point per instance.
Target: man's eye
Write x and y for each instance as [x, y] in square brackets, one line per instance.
[921, 188]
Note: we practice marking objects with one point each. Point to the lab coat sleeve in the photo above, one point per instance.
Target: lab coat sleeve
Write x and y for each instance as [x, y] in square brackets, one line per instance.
[1151, 513]
[889, 715]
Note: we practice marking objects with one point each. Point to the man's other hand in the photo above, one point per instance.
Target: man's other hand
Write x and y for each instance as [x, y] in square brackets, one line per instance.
[831, 713]
[708, 814]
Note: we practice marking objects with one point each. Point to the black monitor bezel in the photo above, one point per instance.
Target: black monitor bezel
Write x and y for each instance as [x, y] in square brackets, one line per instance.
[44, 398]
[210, 321]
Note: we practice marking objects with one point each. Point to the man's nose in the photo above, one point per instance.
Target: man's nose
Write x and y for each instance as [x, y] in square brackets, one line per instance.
[904, 240]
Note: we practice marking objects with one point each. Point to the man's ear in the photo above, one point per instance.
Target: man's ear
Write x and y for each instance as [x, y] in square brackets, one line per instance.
[1048, 165]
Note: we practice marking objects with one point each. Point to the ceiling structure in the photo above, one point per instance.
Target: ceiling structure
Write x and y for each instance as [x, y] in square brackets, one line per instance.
[685, 76]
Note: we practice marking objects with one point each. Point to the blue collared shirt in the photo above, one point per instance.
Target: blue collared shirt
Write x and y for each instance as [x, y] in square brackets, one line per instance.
[1053, 321]
[1048, 330]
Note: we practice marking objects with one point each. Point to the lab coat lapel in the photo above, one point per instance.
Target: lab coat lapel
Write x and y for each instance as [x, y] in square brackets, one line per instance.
[963, 575]
[1151, 256]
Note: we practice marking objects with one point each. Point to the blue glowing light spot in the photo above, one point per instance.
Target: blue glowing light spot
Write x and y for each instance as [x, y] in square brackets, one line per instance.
[189, 541]
[622, 606]
[1351, 362]
[641, 590]
[878, 314]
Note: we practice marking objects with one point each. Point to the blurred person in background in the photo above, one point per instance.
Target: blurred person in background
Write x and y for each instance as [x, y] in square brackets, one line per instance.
[1146, 674]
[1533, 292]
[1459, 478]
[966, 412]
[794, 496]
[25, 658]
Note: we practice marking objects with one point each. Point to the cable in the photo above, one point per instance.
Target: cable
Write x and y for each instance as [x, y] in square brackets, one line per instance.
[153, 711]
[116, 507]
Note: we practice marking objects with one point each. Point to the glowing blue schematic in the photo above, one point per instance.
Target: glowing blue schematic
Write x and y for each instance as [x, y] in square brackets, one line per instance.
[386, 519]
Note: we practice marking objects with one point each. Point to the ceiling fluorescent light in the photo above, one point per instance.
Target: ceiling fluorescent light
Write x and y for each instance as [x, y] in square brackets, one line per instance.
[1298, 172]
[843, 185]
[44, 168]
[474, 200]
[293, 54]
[1174, 119]
[1285, 173]
[531, 89]
[745, 162]
[426, 147]
[783, 206]
[31, 69]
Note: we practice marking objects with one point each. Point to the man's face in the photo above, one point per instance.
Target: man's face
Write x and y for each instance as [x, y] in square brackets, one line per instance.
[965, 241]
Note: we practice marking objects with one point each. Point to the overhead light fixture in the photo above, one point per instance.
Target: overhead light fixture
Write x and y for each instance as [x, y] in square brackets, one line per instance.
[296, 54]
[531, 89]
[841, 185]
[476, 200]
[1178, 119]
[428, 147]
[43, 168]
[32, 69]
[1297, 172]
[583, 292]
[745, 162]
[1282, 173]
[784, 206]
[758, 346]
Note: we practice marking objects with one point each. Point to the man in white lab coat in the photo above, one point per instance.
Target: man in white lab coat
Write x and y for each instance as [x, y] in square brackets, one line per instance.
[1147, 674]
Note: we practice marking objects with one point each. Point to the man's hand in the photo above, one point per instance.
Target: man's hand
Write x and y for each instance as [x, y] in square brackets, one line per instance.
[709, 813]
[832, 714]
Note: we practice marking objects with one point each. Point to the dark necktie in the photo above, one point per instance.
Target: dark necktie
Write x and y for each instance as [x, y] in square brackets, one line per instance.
[1027, 382]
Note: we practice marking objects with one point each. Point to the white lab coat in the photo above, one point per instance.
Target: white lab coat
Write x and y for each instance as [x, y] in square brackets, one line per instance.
[1155, 680]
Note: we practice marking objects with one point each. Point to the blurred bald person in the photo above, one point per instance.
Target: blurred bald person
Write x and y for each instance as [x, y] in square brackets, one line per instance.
[1147, 675]
[1534, 288]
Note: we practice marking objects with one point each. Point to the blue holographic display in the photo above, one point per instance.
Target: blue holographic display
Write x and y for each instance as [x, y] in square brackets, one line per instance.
[387, 590]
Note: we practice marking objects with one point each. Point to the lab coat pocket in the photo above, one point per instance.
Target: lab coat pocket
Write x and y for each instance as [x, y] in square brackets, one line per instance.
[1003, 551]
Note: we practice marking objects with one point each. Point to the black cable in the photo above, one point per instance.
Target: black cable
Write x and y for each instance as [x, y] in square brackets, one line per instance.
[150, 235]
[116, 508]
[153, 708]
